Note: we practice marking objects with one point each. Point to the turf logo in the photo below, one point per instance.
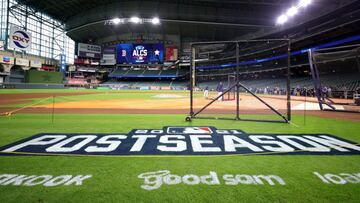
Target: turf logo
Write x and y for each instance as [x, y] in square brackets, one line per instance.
[44, 180]
[154, 180]
[182, 140]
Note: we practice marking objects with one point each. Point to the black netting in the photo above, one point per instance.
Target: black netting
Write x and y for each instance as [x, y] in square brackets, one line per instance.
[258, 70]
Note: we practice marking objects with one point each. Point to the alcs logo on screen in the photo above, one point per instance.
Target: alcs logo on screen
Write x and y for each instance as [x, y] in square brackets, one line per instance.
[21, 39]
[182, 140]
[140, 53]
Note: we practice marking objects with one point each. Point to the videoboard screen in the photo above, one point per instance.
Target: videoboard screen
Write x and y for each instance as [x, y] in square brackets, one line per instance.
[140, 53]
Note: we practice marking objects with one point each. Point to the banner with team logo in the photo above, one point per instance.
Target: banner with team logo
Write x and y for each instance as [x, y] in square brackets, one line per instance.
[187, 140]
[140, 53]
[19, 39]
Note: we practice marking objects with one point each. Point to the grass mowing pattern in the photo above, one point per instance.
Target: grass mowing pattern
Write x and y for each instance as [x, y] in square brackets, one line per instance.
[115, 178]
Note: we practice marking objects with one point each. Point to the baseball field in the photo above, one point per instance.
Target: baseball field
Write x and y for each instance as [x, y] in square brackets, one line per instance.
[30, 175]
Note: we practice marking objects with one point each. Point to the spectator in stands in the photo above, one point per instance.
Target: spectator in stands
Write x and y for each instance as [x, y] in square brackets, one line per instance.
[220, 90]
[206, 92]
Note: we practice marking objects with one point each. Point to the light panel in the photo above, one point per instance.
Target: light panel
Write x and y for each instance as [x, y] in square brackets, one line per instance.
[291, 12]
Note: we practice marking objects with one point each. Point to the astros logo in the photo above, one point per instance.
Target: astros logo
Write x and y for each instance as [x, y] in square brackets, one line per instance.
[21, 39]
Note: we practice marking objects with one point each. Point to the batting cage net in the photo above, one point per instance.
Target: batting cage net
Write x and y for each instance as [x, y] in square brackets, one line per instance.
[336, 77]
[241, 80]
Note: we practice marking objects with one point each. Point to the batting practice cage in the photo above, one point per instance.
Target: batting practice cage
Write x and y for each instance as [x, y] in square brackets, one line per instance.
[336, 76]
[240, 80]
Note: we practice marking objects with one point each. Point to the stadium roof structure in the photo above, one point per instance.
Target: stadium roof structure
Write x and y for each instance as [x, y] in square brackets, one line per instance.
[194, 20]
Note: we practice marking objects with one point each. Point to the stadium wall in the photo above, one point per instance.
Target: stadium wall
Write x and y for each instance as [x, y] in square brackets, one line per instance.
[44, 77]
[31, 86]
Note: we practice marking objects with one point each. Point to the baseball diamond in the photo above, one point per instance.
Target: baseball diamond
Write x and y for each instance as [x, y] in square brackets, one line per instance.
[180, 101]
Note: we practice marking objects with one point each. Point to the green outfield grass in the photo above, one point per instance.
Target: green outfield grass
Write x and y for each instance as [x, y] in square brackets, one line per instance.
[95, 95]
[22, 91]
[115, 178]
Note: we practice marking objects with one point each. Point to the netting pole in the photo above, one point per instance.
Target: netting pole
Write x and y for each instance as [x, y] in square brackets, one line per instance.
[288, 87]
[357, 59]
[237, 83]
[53, 109]
[315, 78]
[192, 79]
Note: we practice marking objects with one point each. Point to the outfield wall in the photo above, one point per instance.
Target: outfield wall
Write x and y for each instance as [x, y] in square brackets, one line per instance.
[44, 77]
[31, 86]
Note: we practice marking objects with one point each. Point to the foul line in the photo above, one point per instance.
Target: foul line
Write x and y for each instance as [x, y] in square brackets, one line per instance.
[24, 107]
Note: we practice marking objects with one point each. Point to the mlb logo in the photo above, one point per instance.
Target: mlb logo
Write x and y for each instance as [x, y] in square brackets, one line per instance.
[189, 130]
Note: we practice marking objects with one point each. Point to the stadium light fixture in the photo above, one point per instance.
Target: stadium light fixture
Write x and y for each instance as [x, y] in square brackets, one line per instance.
[282, 19]
[304, 3]
[292, 11]
[135, 20]
[116, 21]
[155, 21]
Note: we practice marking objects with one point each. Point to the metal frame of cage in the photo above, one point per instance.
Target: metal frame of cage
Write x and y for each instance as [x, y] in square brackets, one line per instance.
[238, 85]
[322, 99]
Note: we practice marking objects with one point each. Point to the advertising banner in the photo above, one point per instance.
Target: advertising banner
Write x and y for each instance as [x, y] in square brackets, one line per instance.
[35, 63]
[171, 53]
[21, 62]
[109, 62]
[19, 39]
[7, 59]
[140, 53]
[109, 50]
[108, 56]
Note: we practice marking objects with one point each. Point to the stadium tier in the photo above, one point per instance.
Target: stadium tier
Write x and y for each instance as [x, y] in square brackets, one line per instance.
[144, 73]
[338, 82]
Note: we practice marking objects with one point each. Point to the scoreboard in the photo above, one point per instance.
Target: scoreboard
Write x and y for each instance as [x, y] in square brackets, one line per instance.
[140, 53]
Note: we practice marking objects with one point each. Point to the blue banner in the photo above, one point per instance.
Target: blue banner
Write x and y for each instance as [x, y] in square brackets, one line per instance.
[140, 53]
